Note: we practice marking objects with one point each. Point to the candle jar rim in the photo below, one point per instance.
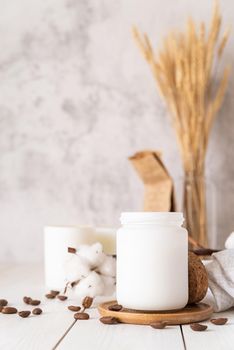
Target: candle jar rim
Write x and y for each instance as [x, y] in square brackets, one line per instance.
[175, 218]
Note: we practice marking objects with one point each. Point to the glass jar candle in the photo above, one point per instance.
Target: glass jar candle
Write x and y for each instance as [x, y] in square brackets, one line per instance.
[152, 261]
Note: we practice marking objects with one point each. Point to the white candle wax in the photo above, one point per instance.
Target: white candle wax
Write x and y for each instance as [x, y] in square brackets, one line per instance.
[56, 241]
[152, 261]
[107, 237]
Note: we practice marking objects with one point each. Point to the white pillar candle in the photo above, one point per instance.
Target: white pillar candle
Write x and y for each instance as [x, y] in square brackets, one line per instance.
[56, 241]
[152, 261]
[107, 237]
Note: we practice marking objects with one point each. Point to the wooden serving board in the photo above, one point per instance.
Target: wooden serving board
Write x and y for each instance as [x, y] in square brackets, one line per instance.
[191, 313]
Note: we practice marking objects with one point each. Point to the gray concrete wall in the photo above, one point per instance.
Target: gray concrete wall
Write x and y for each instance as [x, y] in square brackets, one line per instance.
[76, 99]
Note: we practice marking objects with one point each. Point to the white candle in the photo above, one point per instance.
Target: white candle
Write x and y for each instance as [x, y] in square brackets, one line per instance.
[107, 237]
[152, 261]
[56, 241]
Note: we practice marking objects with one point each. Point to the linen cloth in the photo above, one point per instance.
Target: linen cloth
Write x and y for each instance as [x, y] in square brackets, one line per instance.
[221, 280]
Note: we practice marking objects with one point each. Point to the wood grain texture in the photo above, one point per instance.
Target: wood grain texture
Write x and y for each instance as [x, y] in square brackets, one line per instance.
[215, 337]
[92, 334]
[43, 332]
[35, 332]
[190, 314]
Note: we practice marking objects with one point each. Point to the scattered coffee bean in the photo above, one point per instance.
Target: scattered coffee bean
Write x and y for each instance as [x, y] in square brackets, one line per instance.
[37, 311]
[54, 292]
[109, 320]
[9, 310]
[81, 316]
[71, 250]
[115, 307]
[3, 302]
[24, 314]
[1, 307]
[50, 296]
[74, 308]
[35, 302]
[87, 302]
[219, 321]
[197, 327]
[158, 325]
[27, 300]
[73, 284]
[62, 297]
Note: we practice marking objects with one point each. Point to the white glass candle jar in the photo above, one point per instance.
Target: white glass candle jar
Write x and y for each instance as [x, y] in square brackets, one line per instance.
[152, 261]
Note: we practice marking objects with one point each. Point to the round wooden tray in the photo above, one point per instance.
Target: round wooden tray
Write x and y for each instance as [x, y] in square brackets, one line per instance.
[191, 313]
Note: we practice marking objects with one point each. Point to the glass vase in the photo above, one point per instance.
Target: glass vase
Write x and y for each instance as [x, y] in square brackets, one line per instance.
[196, 198]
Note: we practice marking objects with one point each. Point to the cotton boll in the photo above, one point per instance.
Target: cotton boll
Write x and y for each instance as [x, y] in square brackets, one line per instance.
[108, 266]
[90, 286]
[93, 254]
[109, 285]
[76, 268]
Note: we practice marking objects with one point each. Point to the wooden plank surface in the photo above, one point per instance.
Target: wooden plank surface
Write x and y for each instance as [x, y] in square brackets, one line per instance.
[44, 332]
[36, 332]
[92, 334]
[215, 338]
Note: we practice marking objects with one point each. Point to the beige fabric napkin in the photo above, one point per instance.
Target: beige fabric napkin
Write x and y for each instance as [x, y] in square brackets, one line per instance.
[221, 280]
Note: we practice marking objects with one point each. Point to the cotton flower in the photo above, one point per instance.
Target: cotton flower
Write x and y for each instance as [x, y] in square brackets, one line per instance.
[109, 285]
[90, 286]
[108, 266]
[76, 268]
[92, 271]
[93, 254]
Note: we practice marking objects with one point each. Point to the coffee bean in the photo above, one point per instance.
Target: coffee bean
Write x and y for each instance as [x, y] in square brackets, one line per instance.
[37, 311]
[74, 283]
[71, 250]
[3, 302]
[115, 307]
[158, 325]
[81, 316]
[50, 296]
[9, 310]
[109, 320]
[35, 302]
[27, 300]
[54, 292]
[87, 302]
[197, 327]
[24, 314]
[62, 297]
[74, 308]
[219, 321]
[1, 307]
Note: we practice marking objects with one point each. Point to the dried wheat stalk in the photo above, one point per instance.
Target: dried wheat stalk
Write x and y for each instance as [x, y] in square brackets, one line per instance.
[184, 71]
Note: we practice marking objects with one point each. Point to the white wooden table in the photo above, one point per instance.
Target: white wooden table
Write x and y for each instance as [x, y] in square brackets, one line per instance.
[56, 328]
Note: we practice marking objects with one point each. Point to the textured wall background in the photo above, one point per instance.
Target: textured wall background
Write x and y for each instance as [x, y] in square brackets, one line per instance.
[76, 99]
